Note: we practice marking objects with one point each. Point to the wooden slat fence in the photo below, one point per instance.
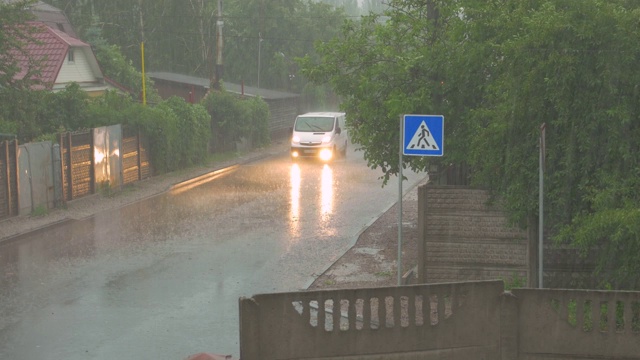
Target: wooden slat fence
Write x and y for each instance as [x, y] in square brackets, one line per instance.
[135, 157]
[78, 178]
[8, 178]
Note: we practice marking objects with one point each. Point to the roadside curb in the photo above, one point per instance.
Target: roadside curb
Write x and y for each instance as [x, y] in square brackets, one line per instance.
[198, 180]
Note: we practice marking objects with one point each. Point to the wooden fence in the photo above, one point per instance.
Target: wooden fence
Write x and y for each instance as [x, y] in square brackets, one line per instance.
[75, 168]
[8, 178]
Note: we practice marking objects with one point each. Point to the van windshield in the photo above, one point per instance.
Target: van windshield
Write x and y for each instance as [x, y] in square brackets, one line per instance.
[314, 124]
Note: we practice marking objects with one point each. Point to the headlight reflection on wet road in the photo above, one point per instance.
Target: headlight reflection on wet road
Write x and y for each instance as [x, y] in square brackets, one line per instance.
[294, 218]
[325, 197]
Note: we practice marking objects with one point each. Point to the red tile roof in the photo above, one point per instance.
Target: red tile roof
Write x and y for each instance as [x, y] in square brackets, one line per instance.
[49, 50]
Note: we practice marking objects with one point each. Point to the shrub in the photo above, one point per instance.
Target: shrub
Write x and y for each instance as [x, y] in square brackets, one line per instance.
[233, 118]
[193, 130]
[257, 113]
[159, 124]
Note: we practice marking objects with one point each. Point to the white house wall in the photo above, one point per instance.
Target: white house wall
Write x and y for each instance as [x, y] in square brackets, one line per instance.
[77, 71]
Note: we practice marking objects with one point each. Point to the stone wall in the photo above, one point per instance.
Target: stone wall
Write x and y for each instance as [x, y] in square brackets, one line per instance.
[465, 238]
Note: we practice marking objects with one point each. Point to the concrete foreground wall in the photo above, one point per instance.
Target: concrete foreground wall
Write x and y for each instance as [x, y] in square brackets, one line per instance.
[465, 321]
[443, 321]
[577, 324]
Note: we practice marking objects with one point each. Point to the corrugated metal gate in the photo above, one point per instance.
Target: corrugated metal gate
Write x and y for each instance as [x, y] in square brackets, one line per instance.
[77, 164]
[8, 178]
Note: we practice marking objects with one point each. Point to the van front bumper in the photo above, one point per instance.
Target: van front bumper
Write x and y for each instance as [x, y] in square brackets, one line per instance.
[319, 152]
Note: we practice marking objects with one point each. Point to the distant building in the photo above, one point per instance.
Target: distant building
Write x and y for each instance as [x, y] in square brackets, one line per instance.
[55, 59]
[283, 106]
[53, 17]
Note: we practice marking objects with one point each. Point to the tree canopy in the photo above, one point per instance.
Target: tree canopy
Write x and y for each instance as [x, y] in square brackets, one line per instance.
[497, 70]
[14, 33]
[261, 38]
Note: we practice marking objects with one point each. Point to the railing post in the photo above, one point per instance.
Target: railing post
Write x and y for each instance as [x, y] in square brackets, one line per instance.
[70, 164]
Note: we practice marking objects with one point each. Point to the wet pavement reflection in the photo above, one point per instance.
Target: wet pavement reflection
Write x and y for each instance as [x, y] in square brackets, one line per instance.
[161, 278]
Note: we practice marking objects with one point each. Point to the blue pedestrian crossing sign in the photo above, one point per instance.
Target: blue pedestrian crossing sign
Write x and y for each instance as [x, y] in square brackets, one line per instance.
[423, 135]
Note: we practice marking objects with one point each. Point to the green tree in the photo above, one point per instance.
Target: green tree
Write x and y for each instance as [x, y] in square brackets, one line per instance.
[379, 70]
[14, 35]
[179, 35]
[19, 113]
[497, 70]
[109, 109]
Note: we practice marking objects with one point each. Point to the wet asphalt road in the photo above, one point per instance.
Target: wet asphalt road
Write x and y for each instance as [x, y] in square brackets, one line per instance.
[161, 279]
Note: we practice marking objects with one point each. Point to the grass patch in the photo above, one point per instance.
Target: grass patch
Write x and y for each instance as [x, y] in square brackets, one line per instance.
[384, 274]
[516, 281]
[39, 211]
[105, 189]
[221, 157]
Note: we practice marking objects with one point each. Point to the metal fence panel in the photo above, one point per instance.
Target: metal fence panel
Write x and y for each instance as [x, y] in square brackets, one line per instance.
[107, 150]
[36, 177]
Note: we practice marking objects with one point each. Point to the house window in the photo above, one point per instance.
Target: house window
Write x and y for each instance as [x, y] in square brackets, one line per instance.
[70, 56]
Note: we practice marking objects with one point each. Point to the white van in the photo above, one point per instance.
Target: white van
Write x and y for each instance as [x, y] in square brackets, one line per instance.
[320, 135]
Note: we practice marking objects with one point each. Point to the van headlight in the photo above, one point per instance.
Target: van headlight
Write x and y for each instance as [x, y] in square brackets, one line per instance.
[295, 139]
[326, 139]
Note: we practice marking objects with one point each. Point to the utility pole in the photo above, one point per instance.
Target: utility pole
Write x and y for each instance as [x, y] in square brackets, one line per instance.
[219, 63]
[259, 46]
[144, 83]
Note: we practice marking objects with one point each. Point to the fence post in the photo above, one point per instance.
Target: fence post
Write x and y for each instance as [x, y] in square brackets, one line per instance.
[15, 173]
[56, 156]
[92, 169]
[8, 176]
[70, 165]
[139, 155]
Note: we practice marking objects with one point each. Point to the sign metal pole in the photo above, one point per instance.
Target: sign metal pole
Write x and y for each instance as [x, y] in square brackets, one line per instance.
[401, 148]
[426, 138]
[541, 208]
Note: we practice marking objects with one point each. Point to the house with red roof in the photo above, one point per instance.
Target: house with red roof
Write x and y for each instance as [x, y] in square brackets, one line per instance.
[55, 59]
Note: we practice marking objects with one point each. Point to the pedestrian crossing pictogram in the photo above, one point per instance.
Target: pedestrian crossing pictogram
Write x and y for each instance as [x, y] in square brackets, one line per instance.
[423, 135]
[423, 139]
